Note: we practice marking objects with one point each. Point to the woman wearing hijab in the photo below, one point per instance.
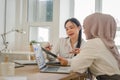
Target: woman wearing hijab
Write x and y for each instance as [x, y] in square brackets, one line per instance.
[99, 53]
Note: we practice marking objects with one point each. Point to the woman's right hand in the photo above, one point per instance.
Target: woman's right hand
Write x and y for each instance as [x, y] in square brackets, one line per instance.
[62, 61]
[48, 46]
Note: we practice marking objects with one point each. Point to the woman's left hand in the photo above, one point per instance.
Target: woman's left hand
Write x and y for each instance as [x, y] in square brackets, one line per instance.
[63, 61]
[75, 51]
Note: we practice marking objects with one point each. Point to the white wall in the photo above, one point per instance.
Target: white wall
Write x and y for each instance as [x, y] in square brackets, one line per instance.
[21, 40]
[66, 11]
[54, 29]
[7, 21]
[10, 22]
[2, 2]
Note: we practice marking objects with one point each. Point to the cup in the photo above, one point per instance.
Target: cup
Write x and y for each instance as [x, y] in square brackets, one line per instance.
[7, 69]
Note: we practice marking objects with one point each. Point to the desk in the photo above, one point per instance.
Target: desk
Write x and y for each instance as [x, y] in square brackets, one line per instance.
[32, 73]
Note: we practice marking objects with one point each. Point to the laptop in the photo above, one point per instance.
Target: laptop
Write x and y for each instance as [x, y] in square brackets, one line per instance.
[41, 62]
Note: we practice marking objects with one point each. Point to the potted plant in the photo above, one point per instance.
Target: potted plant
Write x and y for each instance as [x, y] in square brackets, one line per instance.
[32, 57]
[31, 47]
[32, 41]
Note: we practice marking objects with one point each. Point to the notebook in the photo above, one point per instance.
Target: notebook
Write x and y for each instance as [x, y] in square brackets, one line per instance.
[26, 62]
[40, 59]
[17, 65]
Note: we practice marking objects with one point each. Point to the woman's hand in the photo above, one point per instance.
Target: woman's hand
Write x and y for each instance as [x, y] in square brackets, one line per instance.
[63, 61]
[48, 46]
[75, 51]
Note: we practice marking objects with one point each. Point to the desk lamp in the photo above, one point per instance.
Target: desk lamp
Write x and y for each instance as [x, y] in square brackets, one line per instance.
[4, 38]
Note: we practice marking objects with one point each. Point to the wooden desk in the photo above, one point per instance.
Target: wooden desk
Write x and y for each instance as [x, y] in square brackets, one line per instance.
[32, 73]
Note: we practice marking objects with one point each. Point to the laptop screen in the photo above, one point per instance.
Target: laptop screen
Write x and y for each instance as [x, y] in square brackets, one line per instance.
[39, 55]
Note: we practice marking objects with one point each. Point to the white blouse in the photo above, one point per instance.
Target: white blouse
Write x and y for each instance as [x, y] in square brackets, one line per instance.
[97, 57]
[63, 47]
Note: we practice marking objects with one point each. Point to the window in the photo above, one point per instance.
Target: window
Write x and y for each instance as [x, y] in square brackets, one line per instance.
[86, 7]
[40, 17]
[83, 8]
[111, 9]
[39, 34]
[40, 10]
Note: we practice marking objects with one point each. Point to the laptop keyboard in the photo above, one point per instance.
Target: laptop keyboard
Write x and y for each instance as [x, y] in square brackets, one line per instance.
[52, 68]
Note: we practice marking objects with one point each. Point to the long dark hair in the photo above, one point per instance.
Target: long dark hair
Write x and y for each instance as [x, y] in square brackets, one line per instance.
[75, 21]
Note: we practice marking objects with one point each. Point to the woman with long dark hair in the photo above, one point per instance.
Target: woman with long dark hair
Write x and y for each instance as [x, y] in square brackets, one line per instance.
[70, 46]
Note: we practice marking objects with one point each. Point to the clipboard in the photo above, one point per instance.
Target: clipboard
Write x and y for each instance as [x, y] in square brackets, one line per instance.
[48, 52]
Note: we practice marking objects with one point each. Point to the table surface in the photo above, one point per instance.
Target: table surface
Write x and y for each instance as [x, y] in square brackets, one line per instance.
[32, 73]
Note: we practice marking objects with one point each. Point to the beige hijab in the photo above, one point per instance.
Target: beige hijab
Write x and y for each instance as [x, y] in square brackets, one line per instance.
[102, 26]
